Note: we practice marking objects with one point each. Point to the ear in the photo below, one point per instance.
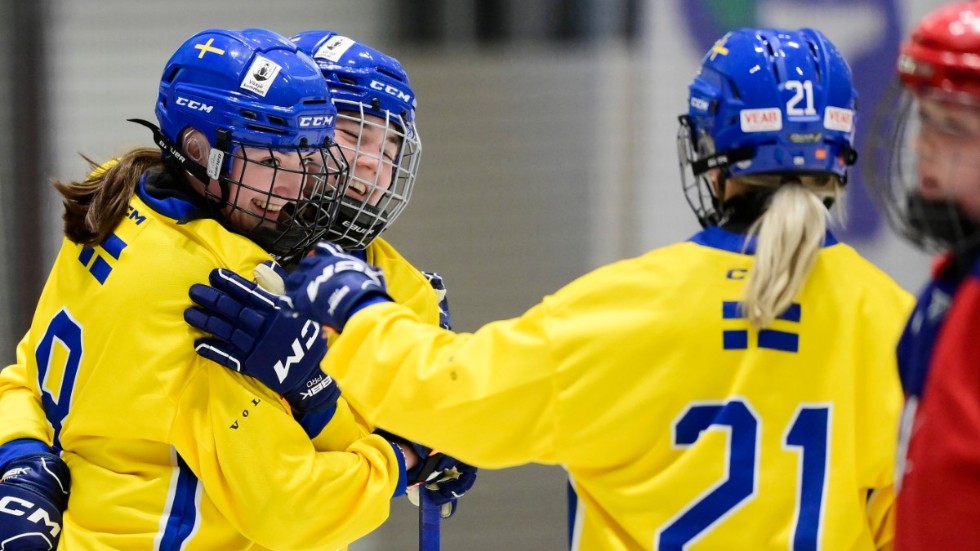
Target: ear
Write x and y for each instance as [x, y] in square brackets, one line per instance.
[717, 185]
[196, 145]
[197, 148]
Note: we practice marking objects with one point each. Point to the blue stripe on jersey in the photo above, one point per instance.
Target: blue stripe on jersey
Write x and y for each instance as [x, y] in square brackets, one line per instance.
[717, 238]
[731, 310]
[735, 340]
[793, 313]
[113, 245]
[915, 347]
[572, 510]
[768, 338]
[779, 340]
[86, 255]
[100, 269]
[182, 510]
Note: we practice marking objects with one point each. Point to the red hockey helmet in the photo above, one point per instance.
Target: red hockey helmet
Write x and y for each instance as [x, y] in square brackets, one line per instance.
[939, 64]
[944, 51]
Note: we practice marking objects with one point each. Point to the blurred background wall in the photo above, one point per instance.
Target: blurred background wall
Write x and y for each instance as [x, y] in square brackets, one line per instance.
[548, 133]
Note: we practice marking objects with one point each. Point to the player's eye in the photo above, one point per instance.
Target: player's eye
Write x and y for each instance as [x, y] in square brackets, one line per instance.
[312, 164]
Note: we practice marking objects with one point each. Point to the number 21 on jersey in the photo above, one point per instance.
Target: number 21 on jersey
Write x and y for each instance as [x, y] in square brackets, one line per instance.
[806, 435]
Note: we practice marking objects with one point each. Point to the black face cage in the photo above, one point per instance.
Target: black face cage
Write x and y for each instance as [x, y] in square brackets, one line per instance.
[697, 187]
[697, 159]
[891, 174]
[287, 213]
[371, 205]
[287, 219]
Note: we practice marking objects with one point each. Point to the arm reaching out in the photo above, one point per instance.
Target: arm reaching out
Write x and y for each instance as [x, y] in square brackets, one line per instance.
[330, 286]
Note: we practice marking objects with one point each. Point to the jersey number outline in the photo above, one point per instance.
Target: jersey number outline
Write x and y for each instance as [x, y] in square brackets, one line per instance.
[65, 330]
[802, 91]
[807, 434]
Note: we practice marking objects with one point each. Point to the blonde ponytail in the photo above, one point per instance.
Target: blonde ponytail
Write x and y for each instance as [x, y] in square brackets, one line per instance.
[789, 235]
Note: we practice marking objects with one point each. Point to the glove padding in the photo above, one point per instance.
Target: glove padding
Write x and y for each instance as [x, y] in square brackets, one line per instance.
[33, 496]
[257, 333]
[444, 487]
[444, 477]
[331, 285]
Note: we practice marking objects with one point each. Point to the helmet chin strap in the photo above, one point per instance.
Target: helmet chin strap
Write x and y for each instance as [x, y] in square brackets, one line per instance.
[722, 160]
[356, 224]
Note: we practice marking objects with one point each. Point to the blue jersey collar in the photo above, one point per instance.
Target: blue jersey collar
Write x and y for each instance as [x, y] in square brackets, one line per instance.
[718, 238]
[156, 189]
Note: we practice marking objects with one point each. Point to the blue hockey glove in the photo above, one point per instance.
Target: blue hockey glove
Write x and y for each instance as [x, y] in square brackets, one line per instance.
[451, 479]
[435, 280]
[444, 478]
[255, 332]
[331, 285]
[33, 494]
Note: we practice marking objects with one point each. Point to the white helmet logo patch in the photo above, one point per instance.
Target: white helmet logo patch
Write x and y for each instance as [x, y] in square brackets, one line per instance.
[261, 75]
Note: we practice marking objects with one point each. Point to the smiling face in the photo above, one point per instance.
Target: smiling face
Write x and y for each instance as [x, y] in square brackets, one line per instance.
[948, 148]
[267, 181]
[371, 148]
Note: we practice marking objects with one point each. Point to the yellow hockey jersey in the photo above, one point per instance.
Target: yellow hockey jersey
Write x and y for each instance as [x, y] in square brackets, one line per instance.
[168, 450]
[680, 426]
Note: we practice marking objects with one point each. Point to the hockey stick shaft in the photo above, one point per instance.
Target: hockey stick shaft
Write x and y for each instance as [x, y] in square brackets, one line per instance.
[429, 519]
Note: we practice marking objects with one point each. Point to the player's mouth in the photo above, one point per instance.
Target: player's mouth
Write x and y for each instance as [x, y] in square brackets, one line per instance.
[267, 207]
[930, 187]
[357, 189]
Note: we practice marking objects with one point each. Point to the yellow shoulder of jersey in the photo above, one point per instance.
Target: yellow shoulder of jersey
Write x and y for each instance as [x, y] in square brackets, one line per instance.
[102, 169]
[406, 284]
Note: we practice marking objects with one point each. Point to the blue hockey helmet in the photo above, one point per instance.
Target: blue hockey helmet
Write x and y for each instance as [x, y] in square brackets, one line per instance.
[766, 102]
[252, 88]
[364, 81]
[250, 83]
[359, 74]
